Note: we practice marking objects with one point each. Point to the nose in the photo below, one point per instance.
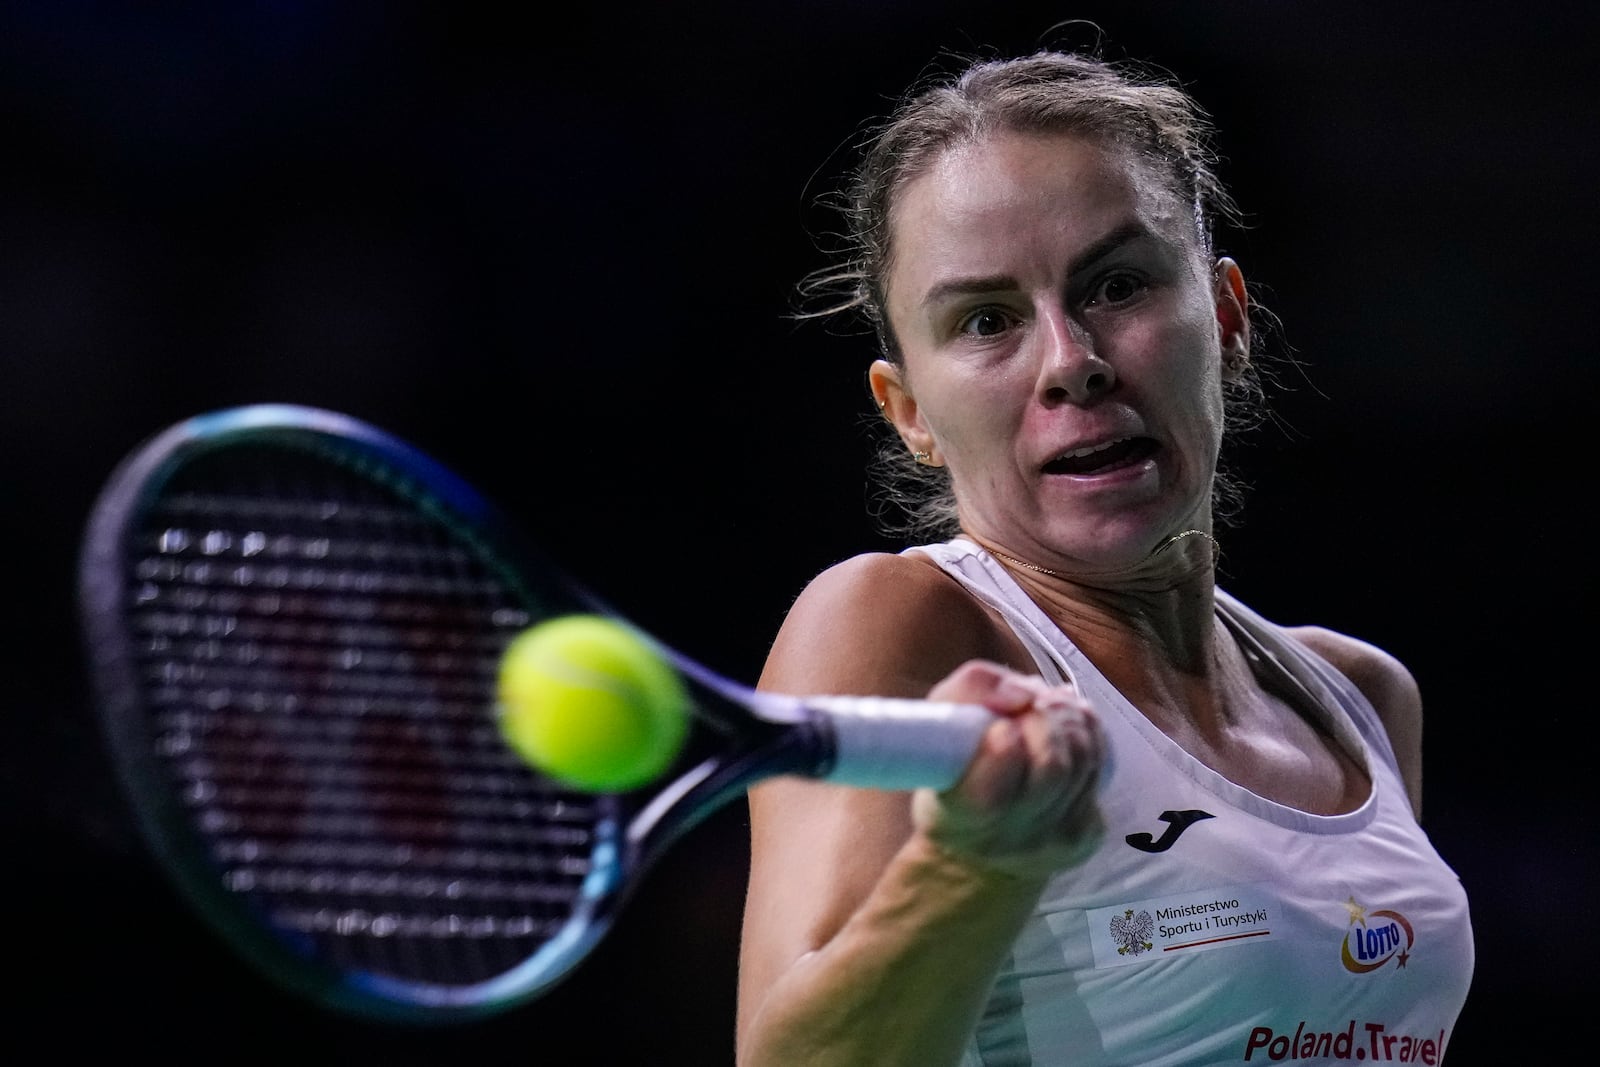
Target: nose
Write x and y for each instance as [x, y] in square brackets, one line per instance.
[1070, 370]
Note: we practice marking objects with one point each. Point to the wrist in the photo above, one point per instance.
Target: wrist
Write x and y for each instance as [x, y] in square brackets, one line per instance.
[961, 870]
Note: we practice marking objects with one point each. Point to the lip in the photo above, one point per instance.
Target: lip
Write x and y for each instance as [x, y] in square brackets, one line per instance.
[1121, 454]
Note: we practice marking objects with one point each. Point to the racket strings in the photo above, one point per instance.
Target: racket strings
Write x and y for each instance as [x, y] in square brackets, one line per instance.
[319, 656]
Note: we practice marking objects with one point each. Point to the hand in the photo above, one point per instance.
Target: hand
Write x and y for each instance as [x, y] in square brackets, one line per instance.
[1026, 805]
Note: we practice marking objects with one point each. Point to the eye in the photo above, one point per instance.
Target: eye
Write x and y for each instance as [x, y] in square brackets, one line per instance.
[985, 322]
[1116, 289]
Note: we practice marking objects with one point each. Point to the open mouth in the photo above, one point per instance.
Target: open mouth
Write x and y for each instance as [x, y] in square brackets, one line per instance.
[1113, 455]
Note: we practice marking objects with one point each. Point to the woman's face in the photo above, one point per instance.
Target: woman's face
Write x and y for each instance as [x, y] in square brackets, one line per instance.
[1063, 338]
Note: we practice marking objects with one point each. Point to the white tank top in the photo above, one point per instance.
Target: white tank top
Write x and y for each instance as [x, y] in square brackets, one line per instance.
[1214, 926]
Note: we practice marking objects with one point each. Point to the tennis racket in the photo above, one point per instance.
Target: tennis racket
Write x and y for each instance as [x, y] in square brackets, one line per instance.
[294, 622]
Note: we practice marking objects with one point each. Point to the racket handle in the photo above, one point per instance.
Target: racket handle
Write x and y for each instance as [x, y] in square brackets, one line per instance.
[890, 743]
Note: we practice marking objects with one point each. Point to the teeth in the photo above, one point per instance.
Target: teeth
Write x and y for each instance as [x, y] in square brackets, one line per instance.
[1079, 453]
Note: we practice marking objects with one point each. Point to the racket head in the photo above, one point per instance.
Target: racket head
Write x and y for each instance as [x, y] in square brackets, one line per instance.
[294, 622]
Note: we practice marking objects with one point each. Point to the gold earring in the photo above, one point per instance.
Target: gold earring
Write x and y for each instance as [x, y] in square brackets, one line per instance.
[922, 457]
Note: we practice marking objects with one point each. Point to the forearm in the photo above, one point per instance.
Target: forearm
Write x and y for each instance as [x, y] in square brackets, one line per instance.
[904, 980]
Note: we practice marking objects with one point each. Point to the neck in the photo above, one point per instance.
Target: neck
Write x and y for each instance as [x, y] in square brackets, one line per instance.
[1215, 549]
[1157, 614]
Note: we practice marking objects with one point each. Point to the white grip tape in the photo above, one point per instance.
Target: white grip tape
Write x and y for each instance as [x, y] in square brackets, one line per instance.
[888, 743]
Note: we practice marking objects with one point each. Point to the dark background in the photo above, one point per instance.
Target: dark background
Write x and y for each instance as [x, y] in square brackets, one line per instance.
[558, 251]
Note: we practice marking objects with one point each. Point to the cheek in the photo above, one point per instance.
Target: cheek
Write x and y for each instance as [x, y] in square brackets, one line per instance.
[972, 438]
[971, 412]
[1186, 373]
[1194, 351]
[1206, 390]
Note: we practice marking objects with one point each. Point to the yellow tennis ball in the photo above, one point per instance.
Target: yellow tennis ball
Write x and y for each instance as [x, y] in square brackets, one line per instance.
[587, 701]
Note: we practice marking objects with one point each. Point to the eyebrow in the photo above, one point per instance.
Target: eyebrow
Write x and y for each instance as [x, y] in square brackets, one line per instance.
[1124, 234]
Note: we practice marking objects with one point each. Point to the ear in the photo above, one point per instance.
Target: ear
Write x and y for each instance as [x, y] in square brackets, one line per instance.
[894, 399]
[1233, 316]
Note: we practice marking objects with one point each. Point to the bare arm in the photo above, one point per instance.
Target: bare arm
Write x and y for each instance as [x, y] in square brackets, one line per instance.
[1388, 687]
[867, 907]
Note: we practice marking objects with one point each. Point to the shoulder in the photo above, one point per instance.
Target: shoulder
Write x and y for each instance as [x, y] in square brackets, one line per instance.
[900, 598]
[1386, 682]
[887, 624]
[1388, 686]
[886, 579]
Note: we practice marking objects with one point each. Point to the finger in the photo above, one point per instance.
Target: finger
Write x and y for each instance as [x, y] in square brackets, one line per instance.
[995, 686]
[1039, 761]
[1064, 751]
[1063, 730]
[999, 772]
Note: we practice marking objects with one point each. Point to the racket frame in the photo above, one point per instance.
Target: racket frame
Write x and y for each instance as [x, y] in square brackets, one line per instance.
[754, 735]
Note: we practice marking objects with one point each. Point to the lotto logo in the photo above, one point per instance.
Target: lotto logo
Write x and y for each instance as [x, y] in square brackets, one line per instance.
[1375, 938]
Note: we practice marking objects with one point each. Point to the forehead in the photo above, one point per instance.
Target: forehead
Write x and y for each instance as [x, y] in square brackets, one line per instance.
[982, 204]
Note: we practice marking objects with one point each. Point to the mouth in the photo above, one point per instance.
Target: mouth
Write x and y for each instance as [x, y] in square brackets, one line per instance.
[1103, 458]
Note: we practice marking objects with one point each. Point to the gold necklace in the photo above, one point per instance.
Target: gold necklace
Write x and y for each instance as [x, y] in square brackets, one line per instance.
[1162, 547]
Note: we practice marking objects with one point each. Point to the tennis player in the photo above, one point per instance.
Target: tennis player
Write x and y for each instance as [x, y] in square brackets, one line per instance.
[1191, 835]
